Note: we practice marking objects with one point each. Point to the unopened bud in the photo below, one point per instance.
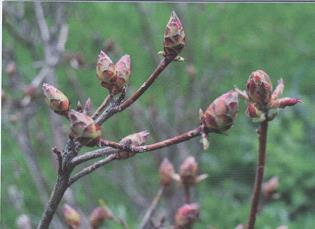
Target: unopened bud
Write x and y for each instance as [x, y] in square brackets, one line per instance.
[123, 71]
[166, 172]
[136, 139]
[83, 128]
[259, 88]
[174, 37]
[72, 217]
[105, 69]
[270, 187]
[188, 171]
[57, 101]
[186, 215]
[98, 216]
[221, 113]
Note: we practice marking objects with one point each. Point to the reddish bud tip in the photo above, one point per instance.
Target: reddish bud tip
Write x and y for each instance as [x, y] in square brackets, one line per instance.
[174, 37]
[83, 128]
[166, 172]
[285, 102]
[253, 112]
[57, 101]
[105, 69]
[259, 88]
[98, 216]
[188, 171]
[187, 215]
[72, 217]
[123, 71]
[221, 113]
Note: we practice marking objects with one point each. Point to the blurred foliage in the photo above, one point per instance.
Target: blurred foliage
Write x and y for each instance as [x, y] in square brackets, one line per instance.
[225, 42]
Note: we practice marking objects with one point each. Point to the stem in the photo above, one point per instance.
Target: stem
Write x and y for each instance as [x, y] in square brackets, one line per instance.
[104, 104]
[54, 200]
[187, 193]
[259, 173]
[163, 64]
[152, 207]
[158, 145]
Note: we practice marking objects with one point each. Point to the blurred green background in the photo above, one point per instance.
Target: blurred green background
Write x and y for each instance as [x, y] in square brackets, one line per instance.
[225, 43]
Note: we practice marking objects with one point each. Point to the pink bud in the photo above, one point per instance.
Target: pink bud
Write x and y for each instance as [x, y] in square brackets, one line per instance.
[105, 69]
[166, 172]
[187, 215]
[98, 216]
[259, 88]
[188, 171]
[83, 128]
[57, 101]
[278, 91]
[72, 217]
[284, 102]
[123, 71]
[136, 139]
[174, 37]
[253, 112]
[221, 113]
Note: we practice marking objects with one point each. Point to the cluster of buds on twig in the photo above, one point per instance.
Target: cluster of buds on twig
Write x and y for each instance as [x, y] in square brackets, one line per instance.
[187, 177]
[262, 100]
[98, 216]
[114, 77]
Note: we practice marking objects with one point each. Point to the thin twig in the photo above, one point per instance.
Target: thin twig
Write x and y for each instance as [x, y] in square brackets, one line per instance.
[59, 159]
[259, 173]
[163, 64]
[158, 145]
[152, 207]
[102, 107]
[187, 193]
[91, 168]
[93, 154]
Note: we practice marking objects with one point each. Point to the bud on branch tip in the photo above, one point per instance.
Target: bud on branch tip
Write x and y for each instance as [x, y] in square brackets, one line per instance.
[57, 101]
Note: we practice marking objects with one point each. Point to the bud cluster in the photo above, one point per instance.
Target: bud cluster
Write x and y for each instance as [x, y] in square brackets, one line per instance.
[262, 100]
[114, 77]
[187, 215]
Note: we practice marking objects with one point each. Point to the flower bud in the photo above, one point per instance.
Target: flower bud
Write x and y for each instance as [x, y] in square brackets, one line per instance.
[166, 172]
[259, 88]
[123, 71]
[221, 113]
[188, 171]
[83, 128]
[98, 216]
[105, 69]
[72, 217]
[270, 187]
[136, 139]
[174, 37]
[254, 113]
[186, 215]
[57, 101]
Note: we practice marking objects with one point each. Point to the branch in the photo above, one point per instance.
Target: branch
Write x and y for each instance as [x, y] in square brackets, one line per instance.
[168, 142]
[152, 207]
[107, 114]
[93, 154]
[259, 173]
[59, 159]
[103, 105]
[43, 27]
[91, 168]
